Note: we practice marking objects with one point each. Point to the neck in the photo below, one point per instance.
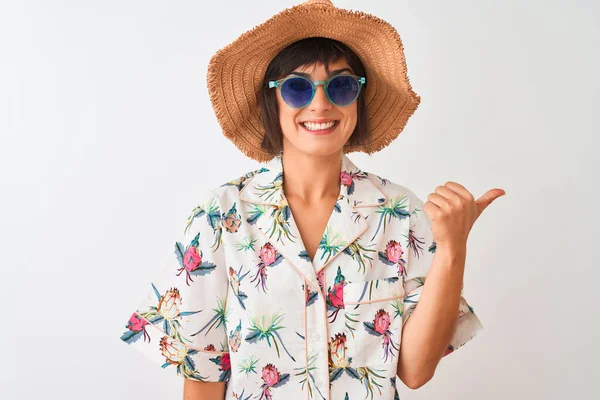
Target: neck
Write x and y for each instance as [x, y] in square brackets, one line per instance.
[311, 178]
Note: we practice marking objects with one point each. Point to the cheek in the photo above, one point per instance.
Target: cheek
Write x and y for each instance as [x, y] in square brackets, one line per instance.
[350, 119]
[287, 119]
[287, 116]
[352, 113]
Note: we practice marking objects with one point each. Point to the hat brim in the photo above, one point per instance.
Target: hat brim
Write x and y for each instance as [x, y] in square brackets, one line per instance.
[235, 72]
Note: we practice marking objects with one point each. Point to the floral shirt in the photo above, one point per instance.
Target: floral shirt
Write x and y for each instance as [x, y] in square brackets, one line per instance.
[241, 301]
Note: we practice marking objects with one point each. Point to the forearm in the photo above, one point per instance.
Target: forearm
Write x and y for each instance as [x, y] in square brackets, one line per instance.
[429, 329]
[196, 390]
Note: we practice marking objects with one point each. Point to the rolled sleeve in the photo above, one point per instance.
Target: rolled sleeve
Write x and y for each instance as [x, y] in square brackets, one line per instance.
[180, 324]
[421, 251]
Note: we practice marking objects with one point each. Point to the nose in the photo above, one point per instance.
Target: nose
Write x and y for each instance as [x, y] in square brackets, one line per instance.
[320, 100]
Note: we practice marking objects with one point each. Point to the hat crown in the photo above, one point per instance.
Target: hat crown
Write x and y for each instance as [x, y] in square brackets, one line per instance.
[326, 2]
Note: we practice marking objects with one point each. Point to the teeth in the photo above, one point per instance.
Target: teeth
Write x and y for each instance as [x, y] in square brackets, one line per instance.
[316, 127]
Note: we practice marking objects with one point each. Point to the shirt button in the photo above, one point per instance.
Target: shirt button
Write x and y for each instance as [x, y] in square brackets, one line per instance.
[319, 382]
[316, 336]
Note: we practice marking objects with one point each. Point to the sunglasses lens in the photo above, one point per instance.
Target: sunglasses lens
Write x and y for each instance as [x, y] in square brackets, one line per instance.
[343, 90]
[297, 92]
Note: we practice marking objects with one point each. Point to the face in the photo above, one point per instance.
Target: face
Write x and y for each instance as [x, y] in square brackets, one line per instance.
[298, 137]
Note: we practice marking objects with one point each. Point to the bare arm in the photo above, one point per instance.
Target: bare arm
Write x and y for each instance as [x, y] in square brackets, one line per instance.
[428, 330]
[196, 390]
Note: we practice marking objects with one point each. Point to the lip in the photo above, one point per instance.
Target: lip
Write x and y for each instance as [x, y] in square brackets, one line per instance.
[319, 120]
[321, 131]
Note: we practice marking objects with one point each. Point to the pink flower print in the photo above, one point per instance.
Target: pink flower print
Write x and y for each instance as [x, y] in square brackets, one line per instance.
[346, 178]
[270, 375]
[393, 256]
[268, 254]
[335, 296]
[349, 179]
[191, 260]
[225, 362]
[136, 323]
[381, 323]
[269, 257]
[380, 327]
[271, 378]
[393, 250]
[136, 326]
[174, 351]
[168, 305]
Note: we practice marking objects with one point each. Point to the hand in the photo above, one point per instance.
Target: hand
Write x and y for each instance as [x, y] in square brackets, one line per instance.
[453, 210]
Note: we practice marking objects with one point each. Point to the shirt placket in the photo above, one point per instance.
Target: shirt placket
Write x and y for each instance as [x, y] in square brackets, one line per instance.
[317, 348]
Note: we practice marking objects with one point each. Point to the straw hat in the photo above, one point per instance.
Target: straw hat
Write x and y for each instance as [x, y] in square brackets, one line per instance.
[236, 72]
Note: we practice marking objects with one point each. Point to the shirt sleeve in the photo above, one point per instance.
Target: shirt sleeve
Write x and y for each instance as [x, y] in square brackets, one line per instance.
[420, 256]
[180, 324]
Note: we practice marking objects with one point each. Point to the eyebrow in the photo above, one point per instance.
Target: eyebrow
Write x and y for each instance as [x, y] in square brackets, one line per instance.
[334, 72]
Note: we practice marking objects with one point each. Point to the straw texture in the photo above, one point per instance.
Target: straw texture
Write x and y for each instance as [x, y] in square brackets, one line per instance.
[235, 72]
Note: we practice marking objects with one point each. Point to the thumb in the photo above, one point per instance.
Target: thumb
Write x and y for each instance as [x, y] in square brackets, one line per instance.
[487, 199]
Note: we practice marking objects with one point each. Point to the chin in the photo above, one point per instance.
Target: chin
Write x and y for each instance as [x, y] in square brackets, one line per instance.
[317, 146]
[318, 149]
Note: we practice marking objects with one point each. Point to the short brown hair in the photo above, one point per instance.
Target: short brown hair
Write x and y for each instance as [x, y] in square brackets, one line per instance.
[304, 52]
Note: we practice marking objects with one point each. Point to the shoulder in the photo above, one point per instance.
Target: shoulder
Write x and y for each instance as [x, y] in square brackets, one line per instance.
[227, 192]
[211, 204]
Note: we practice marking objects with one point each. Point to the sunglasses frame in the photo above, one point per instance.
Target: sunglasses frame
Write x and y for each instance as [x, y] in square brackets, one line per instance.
[361, 80]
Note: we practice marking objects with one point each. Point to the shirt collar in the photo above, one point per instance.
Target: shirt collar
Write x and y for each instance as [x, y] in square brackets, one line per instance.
[266, 186]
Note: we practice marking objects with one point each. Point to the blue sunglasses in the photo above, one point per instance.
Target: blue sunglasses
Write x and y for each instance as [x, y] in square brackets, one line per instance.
[298, 91]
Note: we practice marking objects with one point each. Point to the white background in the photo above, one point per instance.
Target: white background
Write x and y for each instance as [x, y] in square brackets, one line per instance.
[107, 138]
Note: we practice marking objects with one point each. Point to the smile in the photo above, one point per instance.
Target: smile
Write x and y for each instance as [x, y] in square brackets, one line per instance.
[320, 128]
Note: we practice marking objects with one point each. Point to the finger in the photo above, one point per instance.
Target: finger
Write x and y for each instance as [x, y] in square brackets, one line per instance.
[431, 209]
[460, 189]
[487, 199]
[452, 196]
[439, 201]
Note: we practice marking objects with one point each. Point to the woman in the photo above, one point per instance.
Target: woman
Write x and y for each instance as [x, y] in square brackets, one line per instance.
[297, 279]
